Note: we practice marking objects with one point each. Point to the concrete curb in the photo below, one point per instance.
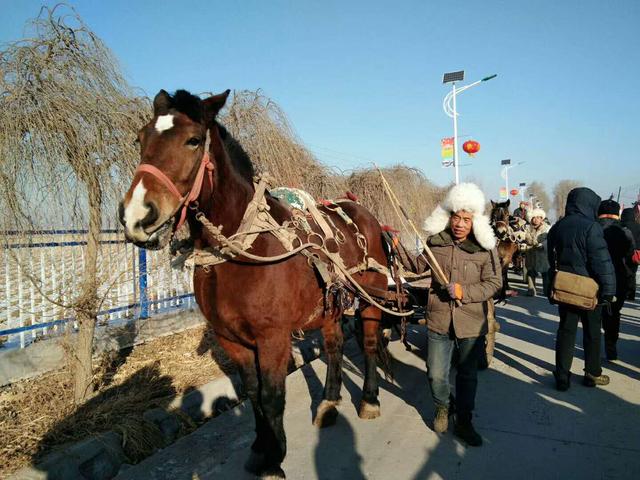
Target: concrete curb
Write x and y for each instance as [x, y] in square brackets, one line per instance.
[101, 457]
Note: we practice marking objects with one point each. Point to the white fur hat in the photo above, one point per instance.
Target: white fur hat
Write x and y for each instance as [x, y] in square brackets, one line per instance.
[536, 212]
[467, 197]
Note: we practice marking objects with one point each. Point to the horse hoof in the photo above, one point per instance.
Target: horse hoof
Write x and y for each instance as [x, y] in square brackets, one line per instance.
[273, 474]
[327, 413]
[369, 411]
[255, 463]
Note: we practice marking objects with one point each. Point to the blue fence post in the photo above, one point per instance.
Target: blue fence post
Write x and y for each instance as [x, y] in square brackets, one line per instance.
[142, 283]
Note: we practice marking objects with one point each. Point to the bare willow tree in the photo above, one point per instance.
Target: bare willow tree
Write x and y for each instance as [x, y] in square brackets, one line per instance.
[67, 120]
[264, 131]
[560, 192]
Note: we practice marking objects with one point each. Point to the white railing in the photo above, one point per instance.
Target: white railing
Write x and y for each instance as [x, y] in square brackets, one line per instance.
[43, 274]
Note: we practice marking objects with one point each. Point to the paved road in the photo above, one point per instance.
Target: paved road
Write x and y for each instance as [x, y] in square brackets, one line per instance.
[530, 429]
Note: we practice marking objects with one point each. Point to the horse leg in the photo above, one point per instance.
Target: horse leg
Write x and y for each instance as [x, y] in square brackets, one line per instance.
[369, 405]
[333, 343]
[273, 359]
[245, 359]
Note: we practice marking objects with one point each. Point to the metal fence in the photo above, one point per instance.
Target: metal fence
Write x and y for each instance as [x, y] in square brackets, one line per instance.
[43, 274]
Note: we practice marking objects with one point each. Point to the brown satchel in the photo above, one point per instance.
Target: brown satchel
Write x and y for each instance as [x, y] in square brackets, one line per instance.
[575, 290]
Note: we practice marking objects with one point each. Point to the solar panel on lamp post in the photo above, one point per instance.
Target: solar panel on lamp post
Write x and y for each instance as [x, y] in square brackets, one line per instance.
[449, 106]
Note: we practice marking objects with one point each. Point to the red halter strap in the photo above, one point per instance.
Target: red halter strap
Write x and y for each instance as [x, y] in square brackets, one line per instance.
[193, 194]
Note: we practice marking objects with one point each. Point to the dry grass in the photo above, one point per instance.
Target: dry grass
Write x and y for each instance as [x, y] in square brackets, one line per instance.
[38, 415]
[417, 195]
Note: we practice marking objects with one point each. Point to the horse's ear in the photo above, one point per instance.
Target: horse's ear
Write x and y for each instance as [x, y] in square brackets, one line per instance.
[493, 204]
[213, 105]
[507, 203]
[161, 103]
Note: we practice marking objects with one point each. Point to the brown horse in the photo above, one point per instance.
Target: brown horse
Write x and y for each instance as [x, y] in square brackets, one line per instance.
[252, 307]
[507, 247]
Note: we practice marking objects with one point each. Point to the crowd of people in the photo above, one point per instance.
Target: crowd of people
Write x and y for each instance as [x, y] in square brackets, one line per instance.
[595, 245]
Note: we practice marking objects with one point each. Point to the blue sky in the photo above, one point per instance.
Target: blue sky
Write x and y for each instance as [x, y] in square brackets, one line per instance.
[361, 80]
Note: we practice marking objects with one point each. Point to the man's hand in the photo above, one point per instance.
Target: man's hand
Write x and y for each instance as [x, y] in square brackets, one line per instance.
[455, 291]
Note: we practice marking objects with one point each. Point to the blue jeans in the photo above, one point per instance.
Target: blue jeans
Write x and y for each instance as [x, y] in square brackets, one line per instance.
[439, 351]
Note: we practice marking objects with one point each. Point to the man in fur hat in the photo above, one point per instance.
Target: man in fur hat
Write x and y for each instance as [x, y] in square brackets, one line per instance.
[621, 248]
[463, 243]
[536, 257]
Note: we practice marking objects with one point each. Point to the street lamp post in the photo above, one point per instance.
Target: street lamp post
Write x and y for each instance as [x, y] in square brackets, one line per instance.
[523, 187]
[449, 106]
[505, 172]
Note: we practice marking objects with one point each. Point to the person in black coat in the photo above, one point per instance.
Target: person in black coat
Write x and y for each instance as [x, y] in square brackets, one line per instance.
[621, 247]
[628, 220]
[576, 244]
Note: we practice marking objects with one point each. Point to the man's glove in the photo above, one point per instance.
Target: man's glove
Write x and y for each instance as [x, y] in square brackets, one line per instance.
[455, 291]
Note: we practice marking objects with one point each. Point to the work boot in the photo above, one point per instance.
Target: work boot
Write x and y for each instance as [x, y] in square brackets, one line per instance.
[464, 430]
[441, 420]
[593, 380]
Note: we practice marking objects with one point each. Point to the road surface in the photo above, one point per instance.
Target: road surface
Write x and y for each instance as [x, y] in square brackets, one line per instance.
[530, 430]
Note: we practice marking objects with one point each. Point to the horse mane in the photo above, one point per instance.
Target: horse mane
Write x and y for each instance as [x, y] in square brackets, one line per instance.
[187, 103]
[193, 107]
[239, 157]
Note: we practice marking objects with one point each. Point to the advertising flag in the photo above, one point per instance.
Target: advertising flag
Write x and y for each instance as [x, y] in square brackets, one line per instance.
[447, 151]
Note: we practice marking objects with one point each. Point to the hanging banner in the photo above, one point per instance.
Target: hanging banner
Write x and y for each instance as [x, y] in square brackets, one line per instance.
[447, 148]
[446, 145]
[503, 193]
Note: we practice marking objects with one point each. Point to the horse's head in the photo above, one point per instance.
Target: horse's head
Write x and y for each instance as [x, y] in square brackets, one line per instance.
[500, 217]
[500, 211]
[174, 161]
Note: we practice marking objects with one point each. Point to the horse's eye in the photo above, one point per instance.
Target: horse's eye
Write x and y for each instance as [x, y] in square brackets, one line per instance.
[193, 142]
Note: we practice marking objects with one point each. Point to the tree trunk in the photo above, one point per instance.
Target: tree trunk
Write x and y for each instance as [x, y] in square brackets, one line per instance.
[87, 304]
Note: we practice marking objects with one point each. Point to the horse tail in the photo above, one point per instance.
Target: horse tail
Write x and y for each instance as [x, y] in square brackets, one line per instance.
[384, 358]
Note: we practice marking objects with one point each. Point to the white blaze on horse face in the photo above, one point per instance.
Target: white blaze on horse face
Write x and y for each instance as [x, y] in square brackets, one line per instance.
[136, 210]
[164, 122]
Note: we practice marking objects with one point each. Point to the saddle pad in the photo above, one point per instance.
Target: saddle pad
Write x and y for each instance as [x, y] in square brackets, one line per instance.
[294, 197]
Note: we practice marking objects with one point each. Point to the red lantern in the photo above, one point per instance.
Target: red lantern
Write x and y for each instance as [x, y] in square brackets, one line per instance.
[471, 147]
[514, 192]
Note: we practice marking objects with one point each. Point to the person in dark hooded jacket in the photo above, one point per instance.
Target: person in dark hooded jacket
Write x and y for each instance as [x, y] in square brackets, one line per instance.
[576, 245]
[628, 220]
[621, 247]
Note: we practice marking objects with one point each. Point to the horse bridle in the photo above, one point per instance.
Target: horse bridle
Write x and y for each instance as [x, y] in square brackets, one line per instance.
[206, 165]
[504, 236]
